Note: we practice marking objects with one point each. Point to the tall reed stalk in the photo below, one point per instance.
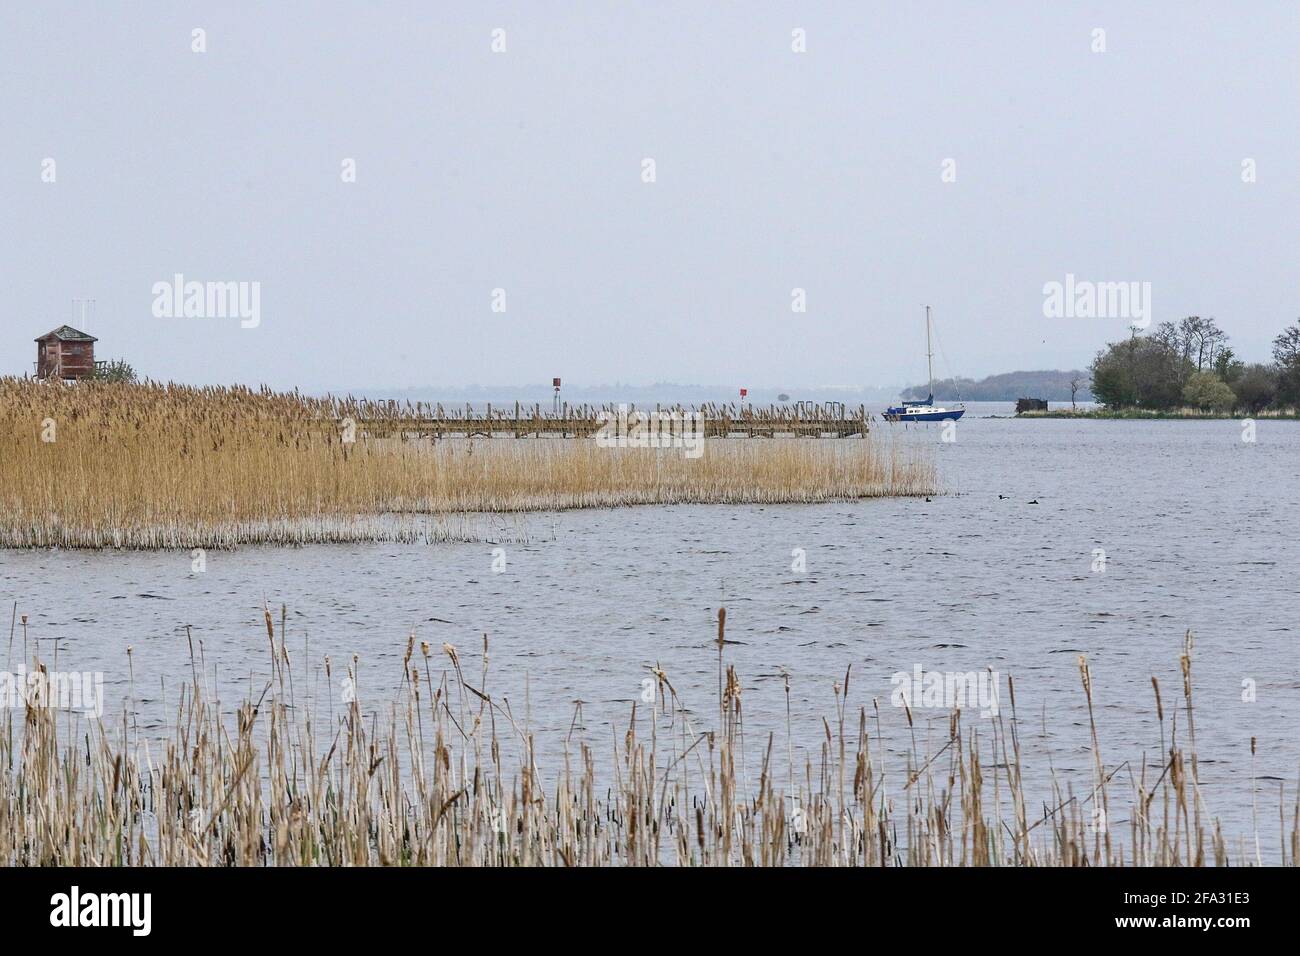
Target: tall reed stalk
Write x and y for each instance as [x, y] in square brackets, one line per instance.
[445, 773]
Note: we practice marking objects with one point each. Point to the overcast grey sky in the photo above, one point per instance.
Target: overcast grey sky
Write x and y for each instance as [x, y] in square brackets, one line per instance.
[522, 171]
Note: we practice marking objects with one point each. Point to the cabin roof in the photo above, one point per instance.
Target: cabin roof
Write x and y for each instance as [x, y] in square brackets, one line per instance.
[66, 333]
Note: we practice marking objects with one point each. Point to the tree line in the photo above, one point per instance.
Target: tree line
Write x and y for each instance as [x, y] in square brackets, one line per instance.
[1053, 385]
[1190, 364]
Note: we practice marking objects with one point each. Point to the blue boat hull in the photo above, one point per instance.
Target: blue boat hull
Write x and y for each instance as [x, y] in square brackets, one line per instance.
[946, 415]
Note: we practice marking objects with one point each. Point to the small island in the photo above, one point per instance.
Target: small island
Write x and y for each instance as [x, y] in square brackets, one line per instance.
[1187, 370]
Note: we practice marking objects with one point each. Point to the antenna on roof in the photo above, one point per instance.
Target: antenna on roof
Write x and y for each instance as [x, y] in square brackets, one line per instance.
[83, 313]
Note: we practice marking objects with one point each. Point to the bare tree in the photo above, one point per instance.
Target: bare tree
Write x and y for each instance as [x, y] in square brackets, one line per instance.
[1214, 339]
[1200, 339]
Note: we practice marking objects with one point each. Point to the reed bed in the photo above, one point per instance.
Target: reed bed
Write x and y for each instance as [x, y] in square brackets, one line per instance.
[168, 466]
[444, 773]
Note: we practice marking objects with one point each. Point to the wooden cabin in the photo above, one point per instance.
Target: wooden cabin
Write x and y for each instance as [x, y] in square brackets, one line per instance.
[65, 353]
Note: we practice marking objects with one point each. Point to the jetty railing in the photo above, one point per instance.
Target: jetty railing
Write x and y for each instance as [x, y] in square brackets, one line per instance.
[394, 419]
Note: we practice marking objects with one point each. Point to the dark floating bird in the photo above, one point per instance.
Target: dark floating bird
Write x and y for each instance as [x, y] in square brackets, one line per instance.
[1034, 502]
[927, 499]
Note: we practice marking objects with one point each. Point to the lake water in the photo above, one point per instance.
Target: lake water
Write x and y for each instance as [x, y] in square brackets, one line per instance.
[1199, 530]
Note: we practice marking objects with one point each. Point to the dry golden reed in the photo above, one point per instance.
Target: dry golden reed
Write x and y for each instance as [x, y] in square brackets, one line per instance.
[444, 773]
[167, 466]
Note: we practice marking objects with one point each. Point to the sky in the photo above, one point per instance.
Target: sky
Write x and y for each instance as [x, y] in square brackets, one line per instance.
[416, 208]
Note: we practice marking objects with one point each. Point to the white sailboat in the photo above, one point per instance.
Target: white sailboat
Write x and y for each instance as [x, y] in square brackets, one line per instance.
[926, 411]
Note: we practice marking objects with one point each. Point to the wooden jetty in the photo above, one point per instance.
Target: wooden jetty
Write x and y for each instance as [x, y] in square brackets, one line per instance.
[424, 420]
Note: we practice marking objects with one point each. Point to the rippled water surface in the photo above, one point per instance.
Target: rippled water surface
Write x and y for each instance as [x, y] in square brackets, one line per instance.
[1198, 527]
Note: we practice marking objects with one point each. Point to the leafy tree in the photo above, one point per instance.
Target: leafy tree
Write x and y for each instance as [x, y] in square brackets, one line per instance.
[115, 371]
[1286, 351]
[1159, 377]
[1143, 372]
[1226, 365]
[1255, 387]
[1208, 392]
[1112, 375]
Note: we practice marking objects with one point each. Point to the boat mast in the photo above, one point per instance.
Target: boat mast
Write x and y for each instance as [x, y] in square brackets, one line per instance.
[929, 355]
